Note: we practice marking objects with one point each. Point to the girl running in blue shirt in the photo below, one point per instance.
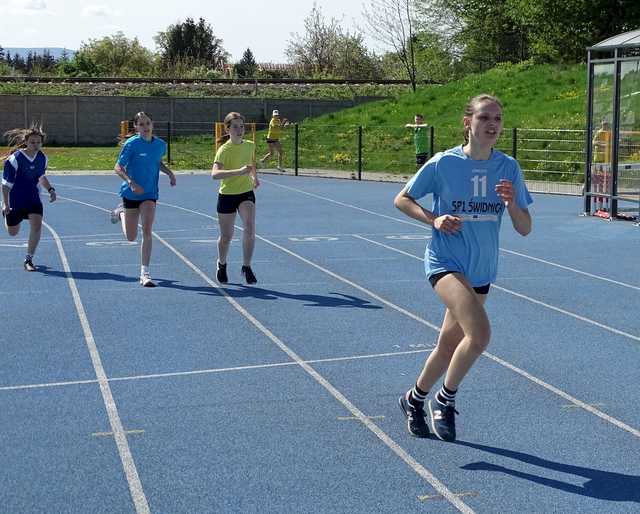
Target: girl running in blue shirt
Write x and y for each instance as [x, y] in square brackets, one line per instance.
[139, 166]
[472, 185]
[24, 170]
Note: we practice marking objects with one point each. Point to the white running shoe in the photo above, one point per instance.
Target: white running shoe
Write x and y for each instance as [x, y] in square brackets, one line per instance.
[115, 214]
[145, 280]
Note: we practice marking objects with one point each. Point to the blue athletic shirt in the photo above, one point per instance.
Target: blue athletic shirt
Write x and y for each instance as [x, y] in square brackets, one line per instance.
[142, 160]
[465, 187]
[22, 174]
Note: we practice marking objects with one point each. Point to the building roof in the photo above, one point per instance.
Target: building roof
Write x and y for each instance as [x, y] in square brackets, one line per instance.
[624, 40]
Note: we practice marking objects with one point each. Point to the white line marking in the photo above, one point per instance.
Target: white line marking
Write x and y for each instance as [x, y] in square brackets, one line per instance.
[522, 296]
[110, 434]
[48, 384]
[396, 448]
[111, 243]
[571, 406]
[536, 380]
[550, 263]
[353, 418]
[216, 370]
[574, 270]
[417, 318]
[399, 220]
[135, 486]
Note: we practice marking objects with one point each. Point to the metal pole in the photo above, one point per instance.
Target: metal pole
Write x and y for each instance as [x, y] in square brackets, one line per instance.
[360, 153]
[613, 180]
[514, 143]
[295, 148]
[169, 142]
[588, 142]
[431, 140]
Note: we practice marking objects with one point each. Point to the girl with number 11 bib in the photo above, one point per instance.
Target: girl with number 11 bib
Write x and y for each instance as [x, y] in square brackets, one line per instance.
[472, 185]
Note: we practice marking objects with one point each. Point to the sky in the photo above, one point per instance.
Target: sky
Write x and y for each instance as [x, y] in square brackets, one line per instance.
[265, 26]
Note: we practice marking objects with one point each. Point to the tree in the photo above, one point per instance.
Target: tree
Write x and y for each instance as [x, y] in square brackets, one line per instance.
[326, 50]
[392, 23]
[113, 55]
[192, 43]
[247, 66]
[482, 33]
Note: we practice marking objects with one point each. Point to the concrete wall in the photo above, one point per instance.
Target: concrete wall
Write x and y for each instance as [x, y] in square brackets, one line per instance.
[95, 120]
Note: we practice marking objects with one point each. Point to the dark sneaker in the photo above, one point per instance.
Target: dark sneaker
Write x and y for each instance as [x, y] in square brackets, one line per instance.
[249, 277]
[443, 420]
[28, 265]
[416, 423]
[221, 273]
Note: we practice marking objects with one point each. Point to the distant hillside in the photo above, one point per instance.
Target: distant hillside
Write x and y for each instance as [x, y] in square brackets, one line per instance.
[56, 52]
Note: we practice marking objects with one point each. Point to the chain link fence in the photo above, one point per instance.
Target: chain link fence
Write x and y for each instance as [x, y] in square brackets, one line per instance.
[552, 160]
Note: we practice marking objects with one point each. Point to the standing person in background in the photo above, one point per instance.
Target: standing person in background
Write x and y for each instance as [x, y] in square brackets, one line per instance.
[139, 166]
[235, 166]
[601, 167]
[420, 139]
[24, 170]
[273, 139]
[472, 185]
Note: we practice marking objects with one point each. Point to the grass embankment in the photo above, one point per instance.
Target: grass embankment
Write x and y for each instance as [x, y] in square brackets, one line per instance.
[534, 97]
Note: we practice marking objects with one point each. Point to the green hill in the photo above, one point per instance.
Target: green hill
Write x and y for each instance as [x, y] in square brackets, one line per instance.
[535, 97]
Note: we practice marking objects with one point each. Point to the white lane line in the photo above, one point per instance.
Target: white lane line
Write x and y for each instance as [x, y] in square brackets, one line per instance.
[214, 370]
[573, 270]
[550, 263]
[373, 213]
[549, 387]
[522, 296]
[390, 443]
[47, 384]
[135, 486]
[417, 318]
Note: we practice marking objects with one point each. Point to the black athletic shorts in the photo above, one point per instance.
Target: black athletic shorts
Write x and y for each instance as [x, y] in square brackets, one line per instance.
[228, 204]
[15, 216]
[270, 141]
[134, 204]
[421, 158]
[433, 279]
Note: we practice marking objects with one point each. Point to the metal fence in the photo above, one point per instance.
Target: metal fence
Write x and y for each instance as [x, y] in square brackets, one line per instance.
[553, 160]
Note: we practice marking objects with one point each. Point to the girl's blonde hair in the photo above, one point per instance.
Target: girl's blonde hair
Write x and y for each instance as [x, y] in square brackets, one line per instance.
[470, 108]
[227, 123]
[17, 138]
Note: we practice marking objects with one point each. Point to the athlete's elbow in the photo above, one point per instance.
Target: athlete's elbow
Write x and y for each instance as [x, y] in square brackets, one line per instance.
[400, 200]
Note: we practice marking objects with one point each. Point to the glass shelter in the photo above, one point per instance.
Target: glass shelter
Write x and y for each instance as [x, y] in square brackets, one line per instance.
[612, 171]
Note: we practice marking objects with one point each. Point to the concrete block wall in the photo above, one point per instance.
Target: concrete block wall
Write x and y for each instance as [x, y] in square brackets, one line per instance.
[95, 120]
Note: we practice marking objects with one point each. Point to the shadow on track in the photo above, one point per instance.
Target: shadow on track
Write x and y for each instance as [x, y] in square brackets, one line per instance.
[603, 485]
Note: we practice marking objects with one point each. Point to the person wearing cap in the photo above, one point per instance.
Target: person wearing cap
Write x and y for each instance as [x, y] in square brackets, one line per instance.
[273, 138]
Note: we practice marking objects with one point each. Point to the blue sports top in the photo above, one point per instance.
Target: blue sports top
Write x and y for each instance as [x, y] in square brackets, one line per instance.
[465, 187]
[21, 175]
[142, 160]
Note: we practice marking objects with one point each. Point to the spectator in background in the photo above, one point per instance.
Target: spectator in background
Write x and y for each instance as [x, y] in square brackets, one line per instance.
[273, 139]
[421, 139]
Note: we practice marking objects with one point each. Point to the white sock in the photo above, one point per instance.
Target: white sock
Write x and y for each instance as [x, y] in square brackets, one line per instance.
[144, 270]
